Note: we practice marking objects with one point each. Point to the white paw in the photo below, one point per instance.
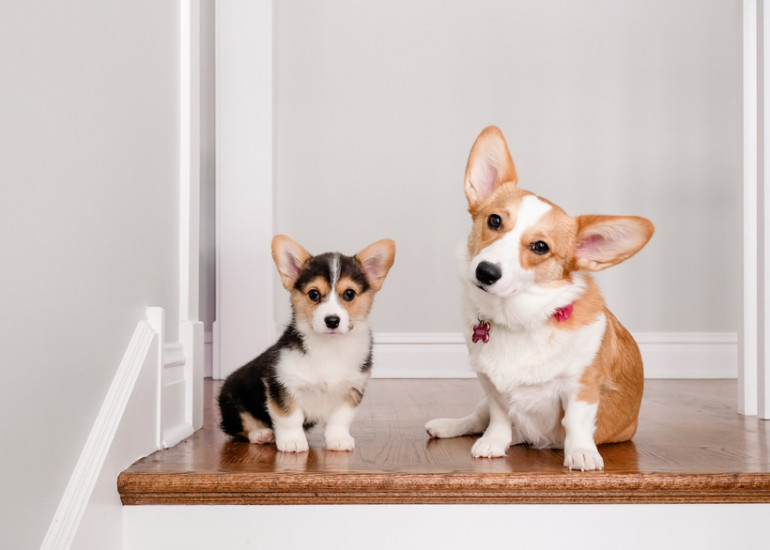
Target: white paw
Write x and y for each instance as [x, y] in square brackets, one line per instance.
[340, 442]
[489, 447]
[260, 436]
[443, 427]
[583, 458]
[292, 443]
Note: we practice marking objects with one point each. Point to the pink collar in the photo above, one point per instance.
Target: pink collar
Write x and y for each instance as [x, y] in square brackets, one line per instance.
[481, 331]
[564, 313]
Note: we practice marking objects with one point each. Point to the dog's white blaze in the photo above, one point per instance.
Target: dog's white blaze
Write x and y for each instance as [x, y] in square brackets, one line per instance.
[332, 305]
[505, 251]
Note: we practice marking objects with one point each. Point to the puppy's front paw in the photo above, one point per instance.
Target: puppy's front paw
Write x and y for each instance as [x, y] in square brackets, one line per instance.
[443, 427]
[583, 458]
[340, 442]
[291, 443]
[489, 447]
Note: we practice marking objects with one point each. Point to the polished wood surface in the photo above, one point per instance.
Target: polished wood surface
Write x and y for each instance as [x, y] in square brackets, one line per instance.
[691, 447]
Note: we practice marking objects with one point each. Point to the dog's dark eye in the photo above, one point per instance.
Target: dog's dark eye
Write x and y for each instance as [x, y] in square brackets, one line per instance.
[539, 248]
[314, 296]
[494, 222]
[348, 295]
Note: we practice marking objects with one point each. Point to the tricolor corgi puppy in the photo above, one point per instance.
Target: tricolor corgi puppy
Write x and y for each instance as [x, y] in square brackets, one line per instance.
[318, 369]
[557, 367]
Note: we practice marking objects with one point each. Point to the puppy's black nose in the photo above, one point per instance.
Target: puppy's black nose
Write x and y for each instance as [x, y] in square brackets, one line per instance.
[332, 321]
[488, 273]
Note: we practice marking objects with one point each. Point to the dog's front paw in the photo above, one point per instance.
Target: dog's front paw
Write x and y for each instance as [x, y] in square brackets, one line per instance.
[489, 447]
[443, 427]
[340, 442]
[583, 458]
[291, 443]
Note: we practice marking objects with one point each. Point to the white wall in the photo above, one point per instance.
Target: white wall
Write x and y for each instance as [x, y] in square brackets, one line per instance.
[450, 527]
[88, 225]
[608, 107]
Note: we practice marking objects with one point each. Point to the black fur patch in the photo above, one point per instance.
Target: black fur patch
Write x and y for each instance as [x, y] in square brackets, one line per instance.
[246, 389]
[350, 267]
[367, 366]
[321, 266]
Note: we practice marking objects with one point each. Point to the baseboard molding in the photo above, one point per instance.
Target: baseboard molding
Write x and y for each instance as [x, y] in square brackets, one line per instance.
[666, 355]
[182, 385]
[89, 511]
[208, 354]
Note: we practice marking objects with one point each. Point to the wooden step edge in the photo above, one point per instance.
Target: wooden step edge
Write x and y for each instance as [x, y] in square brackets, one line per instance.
[530, 488]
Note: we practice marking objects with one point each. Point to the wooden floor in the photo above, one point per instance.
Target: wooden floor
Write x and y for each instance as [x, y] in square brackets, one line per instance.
[691, 447]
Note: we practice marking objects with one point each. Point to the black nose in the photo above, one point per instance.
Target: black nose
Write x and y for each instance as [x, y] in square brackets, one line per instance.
[488, 273]
[332, 321]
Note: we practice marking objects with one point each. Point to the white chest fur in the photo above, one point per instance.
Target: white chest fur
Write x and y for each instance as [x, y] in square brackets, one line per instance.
[532, 372]
[536, 356]
[323, 376]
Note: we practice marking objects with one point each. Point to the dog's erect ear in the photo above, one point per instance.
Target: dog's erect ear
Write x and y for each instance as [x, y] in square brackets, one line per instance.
[604, 241]
[376, 260]
[289, 257]
[489, 166]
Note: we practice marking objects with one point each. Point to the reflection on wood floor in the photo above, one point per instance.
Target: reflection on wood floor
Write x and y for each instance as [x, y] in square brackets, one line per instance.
[691, 447]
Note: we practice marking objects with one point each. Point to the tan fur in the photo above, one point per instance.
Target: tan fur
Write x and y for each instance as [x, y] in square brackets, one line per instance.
[376, 260]
[616, 377]
[354, 397]
[275, 410]
[504, 202]
[490, 145]
[616, 381]
[289, 257]
[359, 307]
[302, 304]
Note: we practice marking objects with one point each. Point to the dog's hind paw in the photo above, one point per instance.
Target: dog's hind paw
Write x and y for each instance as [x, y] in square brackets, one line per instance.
[261, 436]
[444, 427]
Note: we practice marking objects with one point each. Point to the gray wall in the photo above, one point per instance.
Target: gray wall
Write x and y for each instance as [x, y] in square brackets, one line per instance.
[609, 107]
[207, 311]
[88, 226]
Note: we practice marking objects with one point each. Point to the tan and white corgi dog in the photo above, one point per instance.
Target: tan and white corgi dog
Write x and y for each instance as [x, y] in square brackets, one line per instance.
[318, 369]
[557, 367]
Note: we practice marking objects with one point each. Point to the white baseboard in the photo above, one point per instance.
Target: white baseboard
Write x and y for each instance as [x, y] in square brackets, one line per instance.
[89, 513]
[208, 355]
[182, 384]
[666, 355]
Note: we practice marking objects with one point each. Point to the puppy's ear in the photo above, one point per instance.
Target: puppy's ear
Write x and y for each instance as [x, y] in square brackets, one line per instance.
[489, 166]
[604, 241]
[289, 257]
[376, 260]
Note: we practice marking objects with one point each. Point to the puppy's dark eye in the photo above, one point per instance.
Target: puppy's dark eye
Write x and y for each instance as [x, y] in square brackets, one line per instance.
[314, 296]
[494, 222]
[348, 295]
[539, 248]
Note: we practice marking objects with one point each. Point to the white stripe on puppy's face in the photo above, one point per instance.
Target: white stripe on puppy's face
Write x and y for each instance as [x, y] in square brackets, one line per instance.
[330, 316]
[501, 258]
